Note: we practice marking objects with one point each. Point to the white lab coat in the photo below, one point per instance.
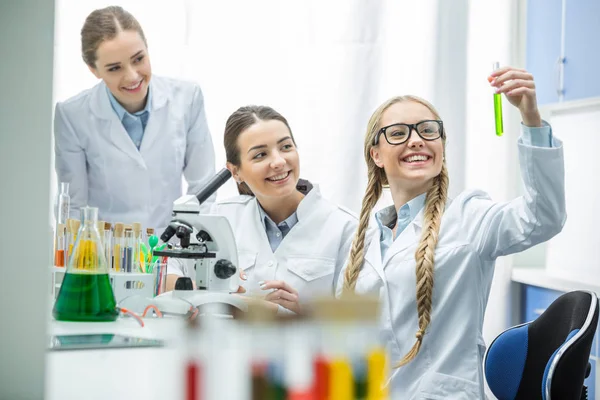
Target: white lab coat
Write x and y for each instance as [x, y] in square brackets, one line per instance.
[474, 232]
[97, 157]
[311, 255]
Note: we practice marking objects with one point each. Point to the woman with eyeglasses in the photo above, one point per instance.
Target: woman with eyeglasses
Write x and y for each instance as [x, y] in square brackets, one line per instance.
[435, 256]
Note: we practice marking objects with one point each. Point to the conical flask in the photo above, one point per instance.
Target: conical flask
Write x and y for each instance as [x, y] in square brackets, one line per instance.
[86, 293]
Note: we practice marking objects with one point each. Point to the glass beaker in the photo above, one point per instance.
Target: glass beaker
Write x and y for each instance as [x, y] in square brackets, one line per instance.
[86, 293]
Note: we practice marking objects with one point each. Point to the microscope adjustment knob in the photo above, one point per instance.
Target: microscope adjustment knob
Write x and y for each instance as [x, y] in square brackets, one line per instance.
[224, 269]
[184, 283]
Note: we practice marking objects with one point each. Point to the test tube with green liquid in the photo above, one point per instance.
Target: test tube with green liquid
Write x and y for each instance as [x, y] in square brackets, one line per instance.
[498, 108]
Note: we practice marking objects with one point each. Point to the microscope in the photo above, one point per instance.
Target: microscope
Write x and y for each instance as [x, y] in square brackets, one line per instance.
[207, 252]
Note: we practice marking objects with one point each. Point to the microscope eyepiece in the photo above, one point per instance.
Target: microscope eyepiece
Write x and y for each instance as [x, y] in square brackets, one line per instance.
[215, 183]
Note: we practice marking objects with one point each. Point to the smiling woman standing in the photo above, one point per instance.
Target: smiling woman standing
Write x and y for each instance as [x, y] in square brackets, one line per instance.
[124, 144]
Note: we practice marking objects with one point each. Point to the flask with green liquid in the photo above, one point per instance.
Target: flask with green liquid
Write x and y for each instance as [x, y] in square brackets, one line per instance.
[86, 293]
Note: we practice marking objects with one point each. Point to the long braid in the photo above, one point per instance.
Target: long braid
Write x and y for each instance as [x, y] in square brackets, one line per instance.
[357, 253]
[425, 257]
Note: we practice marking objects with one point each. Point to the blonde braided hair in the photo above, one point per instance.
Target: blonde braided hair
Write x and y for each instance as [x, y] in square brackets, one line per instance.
[435, 204]
[425, 257]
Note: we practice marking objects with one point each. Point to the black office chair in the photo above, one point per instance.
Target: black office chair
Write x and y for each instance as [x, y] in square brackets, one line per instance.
[546, 358]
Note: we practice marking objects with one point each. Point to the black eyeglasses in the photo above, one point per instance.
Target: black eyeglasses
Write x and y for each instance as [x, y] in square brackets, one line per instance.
[400, 133]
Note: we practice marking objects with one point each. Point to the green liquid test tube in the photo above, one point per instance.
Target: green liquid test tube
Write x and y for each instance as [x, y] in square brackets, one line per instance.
[498, 108]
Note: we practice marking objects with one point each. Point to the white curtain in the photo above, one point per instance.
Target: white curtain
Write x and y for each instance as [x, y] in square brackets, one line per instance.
[325, 65]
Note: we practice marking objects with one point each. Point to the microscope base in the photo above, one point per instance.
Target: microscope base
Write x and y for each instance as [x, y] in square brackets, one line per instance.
[203, 300]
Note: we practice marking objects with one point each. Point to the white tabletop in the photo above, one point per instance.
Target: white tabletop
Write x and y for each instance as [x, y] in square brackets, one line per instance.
[138, 373]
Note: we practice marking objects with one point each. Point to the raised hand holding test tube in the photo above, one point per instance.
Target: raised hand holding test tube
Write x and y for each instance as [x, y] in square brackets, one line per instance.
[519, 88]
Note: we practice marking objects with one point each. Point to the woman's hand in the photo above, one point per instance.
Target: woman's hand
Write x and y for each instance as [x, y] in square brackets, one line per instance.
[265, 306]
[282, 294]
[243, 277]
[519, 88]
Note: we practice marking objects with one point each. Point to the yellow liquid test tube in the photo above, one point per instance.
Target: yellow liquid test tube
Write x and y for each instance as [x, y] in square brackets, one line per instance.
[341, 384]
[376, 362]
[498, 108]
[118, 246]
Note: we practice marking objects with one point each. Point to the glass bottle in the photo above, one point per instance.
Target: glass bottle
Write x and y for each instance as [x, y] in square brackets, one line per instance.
[86, 293]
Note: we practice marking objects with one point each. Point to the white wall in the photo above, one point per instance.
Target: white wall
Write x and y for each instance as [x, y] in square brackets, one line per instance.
[450, 89]
[26, 51]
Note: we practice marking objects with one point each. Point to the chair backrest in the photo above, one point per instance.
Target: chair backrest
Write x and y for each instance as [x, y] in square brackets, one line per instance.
[546, 358]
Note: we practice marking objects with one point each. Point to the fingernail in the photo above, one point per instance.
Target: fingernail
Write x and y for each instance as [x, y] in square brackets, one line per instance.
[261, 283]
[493, 82]
[497, 90]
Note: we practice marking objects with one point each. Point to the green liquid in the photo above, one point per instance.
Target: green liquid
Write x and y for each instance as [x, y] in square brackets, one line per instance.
[278, 391]
[85, 297]
[360, 388]
[498, 114]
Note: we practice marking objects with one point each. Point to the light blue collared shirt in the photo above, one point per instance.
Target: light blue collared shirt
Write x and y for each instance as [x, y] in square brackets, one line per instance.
[134, 124]
[387, 218]
[276, 232]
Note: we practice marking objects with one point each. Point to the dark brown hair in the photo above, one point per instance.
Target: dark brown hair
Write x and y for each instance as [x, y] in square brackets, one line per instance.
[105, 24]
[242, 119]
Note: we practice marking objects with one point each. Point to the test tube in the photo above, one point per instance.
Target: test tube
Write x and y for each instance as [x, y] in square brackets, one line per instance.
[68, 241]
[138, 264]
[193, 367]
[321, 371]
[118, 247]
[64, 204]
[108, 245]
[62, 214]
[498, 107]
[100, 226]
[59, 251]
[298, 368]
[341, 384]
[376, 360]
[127, 261]
[149, 234]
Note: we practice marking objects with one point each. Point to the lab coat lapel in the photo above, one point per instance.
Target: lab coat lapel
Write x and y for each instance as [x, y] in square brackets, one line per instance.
[254, 231]
[157, 119]
[408, 239]
[100, 106]
[373, 254]
[311, 210]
